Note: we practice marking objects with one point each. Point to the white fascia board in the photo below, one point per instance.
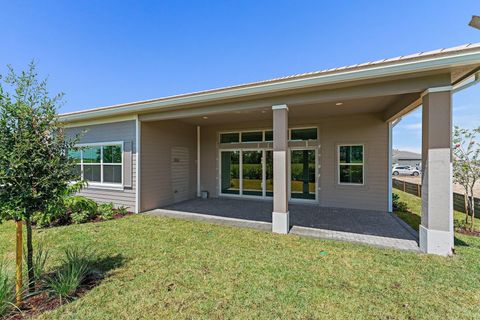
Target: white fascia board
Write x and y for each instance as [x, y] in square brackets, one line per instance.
[436, 89]
[278, 86]
[101, 121]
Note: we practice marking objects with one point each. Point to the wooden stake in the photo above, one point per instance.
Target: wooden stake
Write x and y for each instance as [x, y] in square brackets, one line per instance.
[18, 282]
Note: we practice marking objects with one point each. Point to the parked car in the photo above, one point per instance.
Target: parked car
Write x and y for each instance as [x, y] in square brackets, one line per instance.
[405, 170]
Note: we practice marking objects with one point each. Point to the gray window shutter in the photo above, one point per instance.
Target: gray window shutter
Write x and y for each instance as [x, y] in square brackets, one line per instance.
[127, 164]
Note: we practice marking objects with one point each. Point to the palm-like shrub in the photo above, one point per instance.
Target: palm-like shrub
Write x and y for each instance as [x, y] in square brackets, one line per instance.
[69, 278]
[40, 257]
[7, 292]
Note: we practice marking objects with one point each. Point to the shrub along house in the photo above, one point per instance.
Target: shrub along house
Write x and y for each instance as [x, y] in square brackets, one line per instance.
[322, 138]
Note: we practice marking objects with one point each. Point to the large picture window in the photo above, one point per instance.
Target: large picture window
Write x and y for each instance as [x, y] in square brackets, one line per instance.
[100, 163]
[350, 164]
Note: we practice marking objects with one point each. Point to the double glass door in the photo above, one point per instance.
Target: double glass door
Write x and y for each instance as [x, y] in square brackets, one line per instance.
[250, 173]
[246, 172]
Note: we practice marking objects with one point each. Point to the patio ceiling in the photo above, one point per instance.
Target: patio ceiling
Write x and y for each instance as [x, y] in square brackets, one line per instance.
[302, 111]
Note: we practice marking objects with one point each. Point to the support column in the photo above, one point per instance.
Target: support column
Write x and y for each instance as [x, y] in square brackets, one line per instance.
[436, 229]
[280, 214]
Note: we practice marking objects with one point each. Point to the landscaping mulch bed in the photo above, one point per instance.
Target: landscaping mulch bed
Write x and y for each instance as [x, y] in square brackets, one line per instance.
[468, 232]
[37, 304]
[115, 216]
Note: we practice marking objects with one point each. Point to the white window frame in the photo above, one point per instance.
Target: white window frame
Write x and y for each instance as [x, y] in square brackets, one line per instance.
[247, 131]
[264, 195]
[301, 128]
[289, 188]
[351, 164]
[101, 145]
[240, 173]
[263, 135]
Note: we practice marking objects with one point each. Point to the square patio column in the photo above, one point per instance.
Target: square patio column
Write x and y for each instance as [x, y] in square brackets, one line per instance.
[280, 214]
[436, 229]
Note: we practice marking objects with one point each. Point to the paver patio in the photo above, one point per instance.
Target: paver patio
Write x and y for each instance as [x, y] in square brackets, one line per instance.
[363, 226]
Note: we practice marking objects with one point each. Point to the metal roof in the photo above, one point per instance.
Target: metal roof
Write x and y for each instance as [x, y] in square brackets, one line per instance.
[351, 69]
[405, 155]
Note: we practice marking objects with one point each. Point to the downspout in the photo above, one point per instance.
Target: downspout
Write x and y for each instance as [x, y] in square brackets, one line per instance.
[198, 163]
[138, 137]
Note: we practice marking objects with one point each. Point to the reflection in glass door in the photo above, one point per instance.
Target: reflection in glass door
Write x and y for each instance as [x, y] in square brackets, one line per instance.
[252, 176]
[230, 175]
[302, 168]
[269, 173]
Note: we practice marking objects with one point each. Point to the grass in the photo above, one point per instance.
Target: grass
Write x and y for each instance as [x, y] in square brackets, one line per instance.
[163, 268]
[413, 216]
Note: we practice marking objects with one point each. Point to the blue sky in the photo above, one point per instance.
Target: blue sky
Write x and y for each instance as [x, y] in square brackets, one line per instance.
[106, 52]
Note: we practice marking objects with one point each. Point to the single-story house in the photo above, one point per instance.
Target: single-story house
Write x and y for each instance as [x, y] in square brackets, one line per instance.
[322, 137]
[406, 158]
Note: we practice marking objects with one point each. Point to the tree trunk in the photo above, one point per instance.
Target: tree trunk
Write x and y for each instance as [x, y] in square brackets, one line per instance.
[31, 275]
[472, 210]
[465, 197]
[18, 260]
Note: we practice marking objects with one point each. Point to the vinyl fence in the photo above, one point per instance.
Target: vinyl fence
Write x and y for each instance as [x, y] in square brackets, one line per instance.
[416, 189]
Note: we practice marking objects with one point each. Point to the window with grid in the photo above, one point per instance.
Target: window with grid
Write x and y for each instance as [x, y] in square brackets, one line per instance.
[100, 163]
[350, 164]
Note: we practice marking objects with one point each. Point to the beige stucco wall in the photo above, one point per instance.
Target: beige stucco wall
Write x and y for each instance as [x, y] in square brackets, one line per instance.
[369, 130]
[159, 139]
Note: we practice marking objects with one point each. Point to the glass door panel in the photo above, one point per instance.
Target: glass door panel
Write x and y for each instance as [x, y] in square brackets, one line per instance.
[269, 173]
[230, 175]
[303, 182]
[252, 173]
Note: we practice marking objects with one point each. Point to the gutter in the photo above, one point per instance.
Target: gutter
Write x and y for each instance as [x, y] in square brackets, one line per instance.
[467, 83]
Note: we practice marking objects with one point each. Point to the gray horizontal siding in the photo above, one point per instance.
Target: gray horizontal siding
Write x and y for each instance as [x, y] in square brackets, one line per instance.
[118, 131]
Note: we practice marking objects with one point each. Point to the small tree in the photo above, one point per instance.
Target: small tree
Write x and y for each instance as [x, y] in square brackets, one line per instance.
[466, 166]
[35, 170]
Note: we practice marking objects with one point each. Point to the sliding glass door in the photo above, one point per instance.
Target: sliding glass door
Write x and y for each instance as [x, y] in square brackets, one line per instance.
[242, 172]
[252, 173]
[302, 174]
[230, 172]
[269, 173]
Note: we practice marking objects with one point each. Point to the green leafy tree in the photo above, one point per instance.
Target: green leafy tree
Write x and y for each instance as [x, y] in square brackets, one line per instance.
[466, 166]
[35, 170]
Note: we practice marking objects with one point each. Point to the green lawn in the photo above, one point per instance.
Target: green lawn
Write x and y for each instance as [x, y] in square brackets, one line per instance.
[165, 268]
[412, 217]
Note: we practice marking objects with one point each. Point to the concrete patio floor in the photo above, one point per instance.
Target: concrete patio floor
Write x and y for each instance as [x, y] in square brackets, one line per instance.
[362, 226]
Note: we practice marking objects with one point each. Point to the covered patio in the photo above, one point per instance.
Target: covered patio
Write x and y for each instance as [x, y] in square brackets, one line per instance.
[308, 154]
[362, 226]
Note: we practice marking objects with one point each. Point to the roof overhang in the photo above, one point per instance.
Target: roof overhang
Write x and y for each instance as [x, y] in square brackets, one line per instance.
[441, 60]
